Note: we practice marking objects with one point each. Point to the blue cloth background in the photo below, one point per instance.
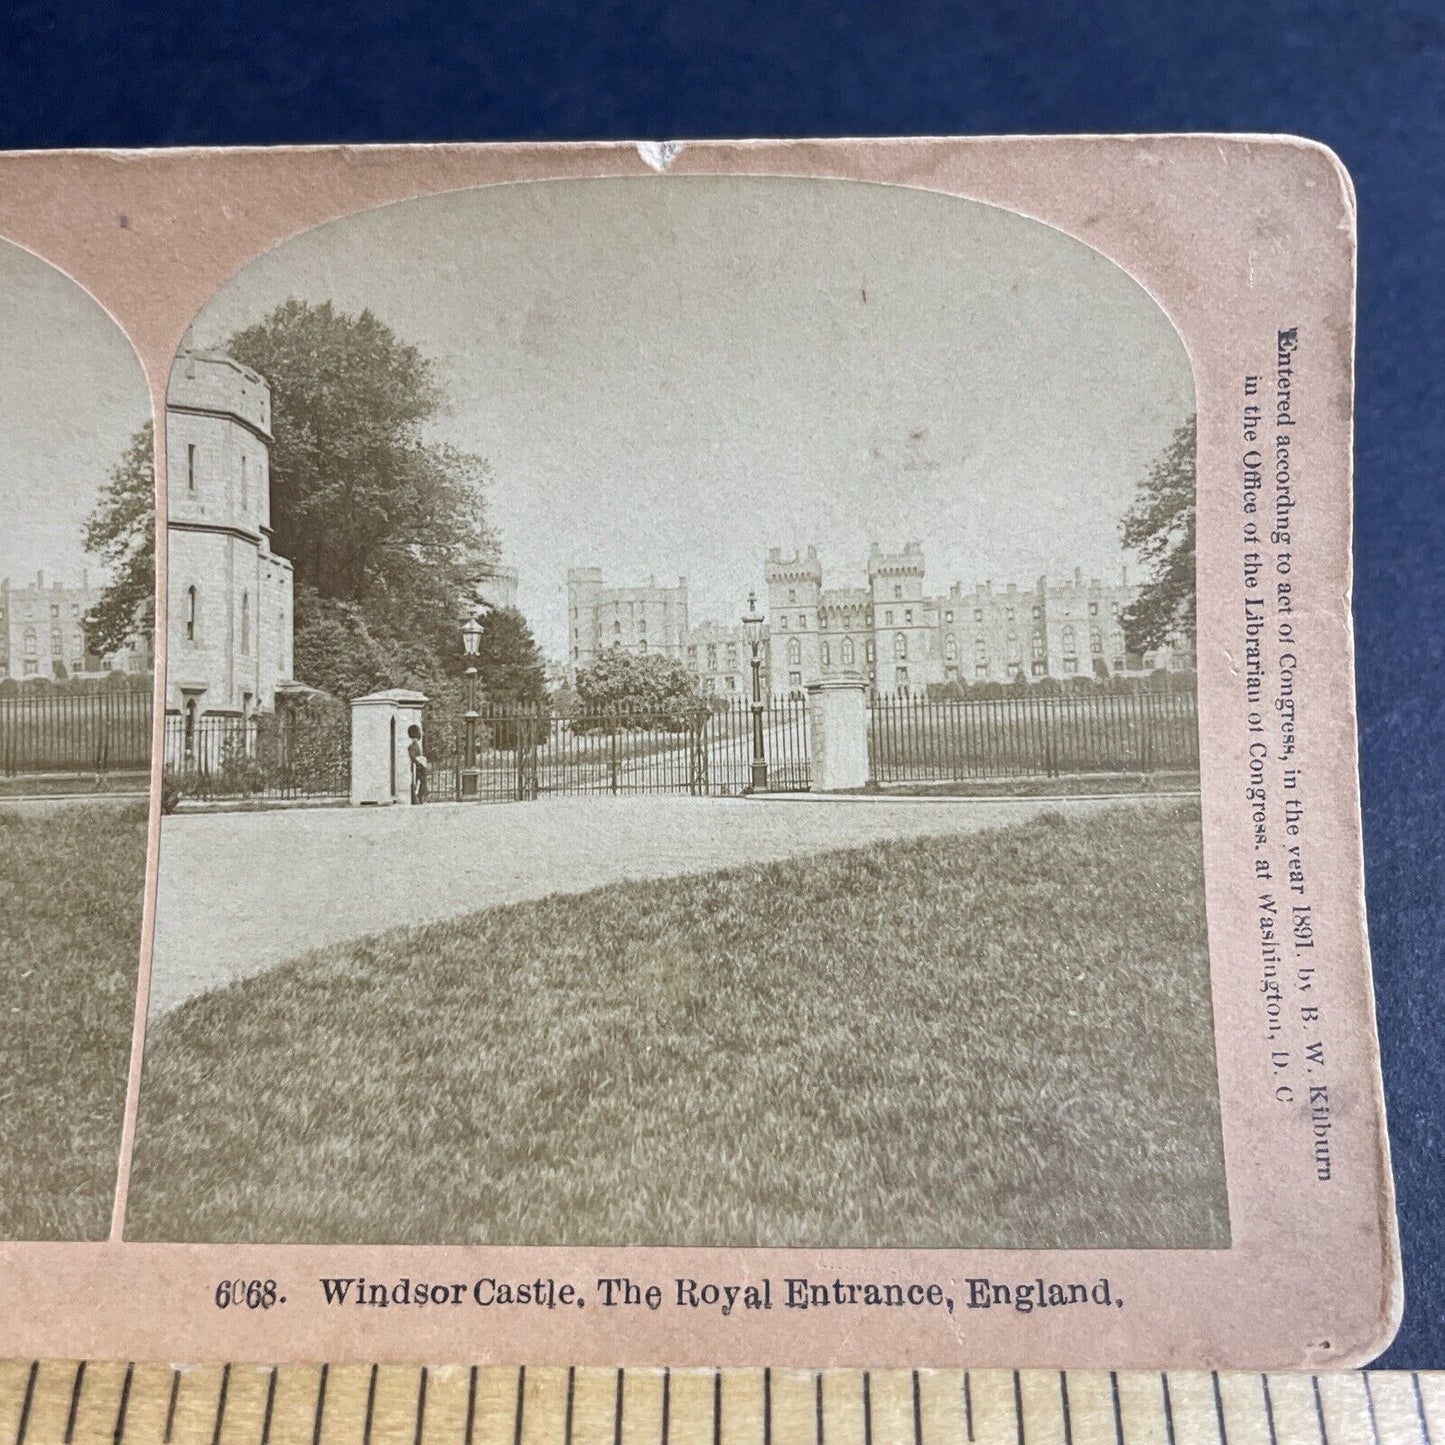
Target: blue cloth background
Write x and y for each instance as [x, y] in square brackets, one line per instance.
[1366, 77]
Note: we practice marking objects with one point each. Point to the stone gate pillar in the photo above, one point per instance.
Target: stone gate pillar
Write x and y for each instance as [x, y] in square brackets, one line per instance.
[380, 768]
[838, 734]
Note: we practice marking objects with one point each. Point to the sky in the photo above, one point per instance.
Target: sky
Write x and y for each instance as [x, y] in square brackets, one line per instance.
[73, 396]
[670, 375]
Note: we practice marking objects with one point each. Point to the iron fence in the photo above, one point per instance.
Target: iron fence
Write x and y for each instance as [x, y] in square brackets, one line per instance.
[526, 753]
[91, 732]
[955, 739]
[303, 753]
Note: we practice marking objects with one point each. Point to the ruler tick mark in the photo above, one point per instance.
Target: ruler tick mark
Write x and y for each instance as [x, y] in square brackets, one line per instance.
[1370, 1401]
[1064, 1406]
[472, 1404]
[767, 1405]
[420, 1406]
[221, 1405]
[74, 1402]
[818, 1406]
[1118, 1413]
[968, 1406]
[666, 1404]
[1219, 1408]
[118, 1434]
[867, 1408]
[270, 1407]
[917, 1412]
[1168, 1405]
[1018, 1408]
[1268, 1408]
[521, 1404]
[320, 1406]
[1320, 1410]
[616, 1413]
[171, 1407]
[1420, 1408]
[370, 1406]
[28, 1401]
[717, 1407]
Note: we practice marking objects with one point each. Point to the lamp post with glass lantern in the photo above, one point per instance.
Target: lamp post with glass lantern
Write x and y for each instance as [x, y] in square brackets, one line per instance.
[753, 623]
[471, 774]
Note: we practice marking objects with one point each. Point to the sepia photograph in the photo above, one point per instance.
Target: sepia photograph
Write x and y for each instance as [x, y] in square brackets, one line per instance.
[681, 728]
[77, 585]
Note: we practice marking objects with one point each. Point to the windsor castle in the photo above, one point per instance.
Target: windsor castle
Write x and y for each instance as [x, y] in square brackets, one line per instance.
[894, 633]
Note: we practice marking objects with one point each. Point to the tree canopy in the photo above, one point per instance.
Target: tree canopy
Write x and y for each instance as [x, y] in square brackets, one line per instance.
[121, 532]
[1159, 527]
[384, 528]
[648, 685]
[509, 662]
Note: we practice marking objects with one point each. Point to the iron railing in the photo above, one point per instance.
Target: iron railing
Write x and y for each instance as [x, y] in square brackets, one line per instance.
[294, 754]
[525, 753]
[91, 732]
[1033, 735]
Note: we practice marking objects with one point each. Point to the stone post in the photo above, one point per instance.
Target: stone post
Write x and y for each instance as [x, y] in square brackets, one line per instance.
[380, 768]
[838, 734]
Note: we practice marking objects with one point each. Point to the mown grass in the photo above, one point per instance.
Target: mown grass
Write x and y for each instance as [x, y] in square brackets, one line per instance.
[1002, 1039]
[71, 883]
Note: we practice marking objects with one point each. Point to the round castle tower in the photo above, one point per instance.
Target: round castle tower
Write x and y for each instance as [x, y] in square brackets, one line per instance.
[228, 597]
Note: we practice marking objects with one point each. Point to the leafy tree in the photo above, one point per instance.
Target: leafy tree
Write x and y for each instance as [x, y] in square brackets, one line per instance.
[648, 687]
[1159, 527]
[369, 512]
[121, 531]
[509, 662]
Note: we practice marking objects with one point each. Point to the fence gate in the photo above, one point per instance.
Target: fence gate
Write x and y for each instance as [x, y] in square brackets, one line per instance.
[521, 754]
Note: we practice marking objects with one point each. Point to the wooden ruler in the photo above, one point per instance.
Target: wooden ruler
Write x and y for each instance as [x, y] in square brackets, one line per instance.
[64, 1403]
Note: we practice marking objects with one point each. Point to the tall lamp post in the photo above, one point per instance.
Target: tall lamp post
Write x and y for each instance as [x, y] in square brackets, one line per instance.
[753, 624]
[471, 774]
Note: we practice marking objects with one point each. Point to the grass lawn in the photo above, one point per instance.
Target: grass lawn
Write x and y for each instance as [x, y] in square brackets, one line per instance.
[71, 880]
[1002, 1039]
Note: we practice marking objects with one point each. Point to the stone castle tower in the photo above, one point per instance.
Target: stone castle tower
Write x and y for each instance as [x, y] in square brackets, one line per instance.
[795, 592]
[901, 619]
[228, 596]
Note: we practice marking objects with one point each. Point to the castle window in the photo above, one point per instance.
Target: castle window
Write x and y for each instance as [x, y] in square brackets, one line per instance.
[978, 614]
[642, 626]
[980, 649]
[30, 642]
[1015, 656]
[868, 651]
[795, 651]
[55, 609]
[1093, 609]
[950, 648]
[792, 594]
[803, 621]
[245, 483]
[732, 654]
[692, 654]
[1038, 644]
[1038, 612]
[1069, 647]
[246, 623]
[642, 647]
[847, 652]
[1038, 668]
[908, 615]
[980, 669]
[1096, 641]
[617, 629]
[827, 656]
[190, 614]
[1009, 614]
[948, 616]
[888, 618]
[57, 642]
[1113, 609]
[190, 466]
[783, 622]
[576, 653]
[900, 645]
[711, 658]
[897, 592]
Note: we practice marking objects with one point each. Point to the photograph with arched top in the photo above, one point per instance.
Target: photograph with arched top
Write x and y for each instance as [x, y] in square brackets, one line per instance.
[77, 585]
[681, 729]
